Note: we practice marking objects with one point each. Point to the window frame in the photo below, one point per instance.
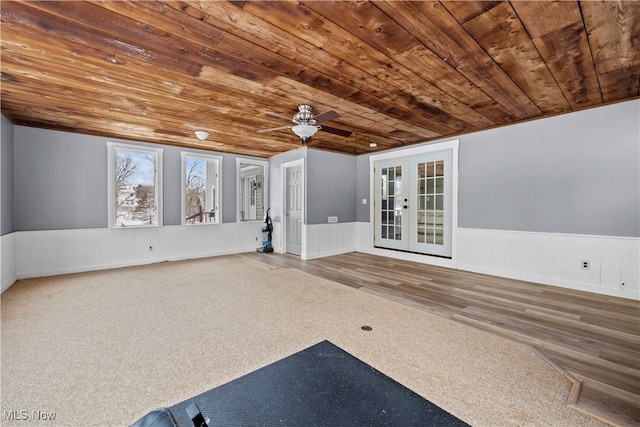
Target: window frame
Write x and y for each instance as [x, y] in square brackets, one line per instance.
[112, 148]
[265, 188]
[184, 155]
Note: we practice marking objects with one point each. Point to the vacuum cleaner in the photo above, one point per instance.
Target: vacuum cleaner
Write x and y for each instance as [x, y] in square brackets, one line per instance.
[266, 235]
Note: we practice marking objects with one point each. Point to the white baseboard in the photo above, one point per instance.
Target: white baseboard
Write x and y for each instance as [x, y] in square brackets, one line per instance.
[46, 253]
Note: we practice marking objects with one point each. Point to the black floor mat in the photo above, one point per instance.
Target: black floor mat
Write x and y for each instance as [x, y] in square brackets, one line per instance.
[320, 386]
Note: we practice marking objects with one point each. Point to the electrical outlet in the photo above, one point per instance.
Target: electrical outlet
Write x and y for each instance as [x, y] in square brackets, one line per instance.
[585, 264]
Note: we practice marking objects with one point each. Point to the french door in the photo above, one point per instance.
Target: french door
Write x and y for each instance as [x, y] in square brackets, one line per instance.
[413, 203]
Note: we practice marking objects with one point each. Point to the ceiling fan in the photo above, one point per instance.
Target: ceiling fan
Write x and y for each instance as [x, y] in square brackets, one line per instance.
[307, 124]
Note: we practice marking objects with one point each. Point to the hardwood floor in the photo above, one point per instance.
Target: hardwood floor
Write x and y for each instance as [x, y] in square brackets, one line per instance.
[594, 339]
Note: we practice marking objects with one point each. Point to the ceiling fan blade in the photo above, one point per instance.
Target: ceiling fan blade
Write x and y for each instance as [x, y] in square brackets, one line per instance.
[326, 116]
[282, 116]
[273, 129]
[335, 131]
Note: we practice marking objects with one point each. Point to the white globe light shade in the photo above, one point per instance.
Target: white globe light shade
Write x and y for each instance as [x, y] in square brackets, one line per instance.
[304, 131]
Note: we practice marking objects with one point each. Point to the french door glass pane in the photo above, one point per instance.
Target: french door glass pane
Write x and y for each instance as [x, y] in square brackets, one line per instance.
[430, 209]
[391, 195]
[429, 237]
[430, 188]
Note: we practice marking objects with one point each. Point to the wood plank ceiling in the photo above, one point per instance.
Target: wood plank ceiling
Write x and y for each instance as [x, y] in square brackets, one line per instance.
[398, 73]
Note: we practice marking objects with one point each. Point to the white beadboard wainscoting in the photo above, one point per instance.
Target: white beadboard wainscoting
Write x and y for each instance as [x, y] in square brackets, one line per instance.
[546, 258]
[321, 240]
[8, 255]
[555, 259]
[45, 253]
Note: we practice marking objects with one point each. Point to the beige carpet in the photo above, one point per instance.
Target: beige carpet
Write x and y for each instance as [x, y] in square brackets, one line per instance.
[104, 348]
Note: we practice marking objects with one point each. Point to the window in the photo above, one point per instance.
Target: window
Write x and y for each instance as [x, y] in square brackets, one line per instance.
[135, 177]
[252, 189]
[201, 189]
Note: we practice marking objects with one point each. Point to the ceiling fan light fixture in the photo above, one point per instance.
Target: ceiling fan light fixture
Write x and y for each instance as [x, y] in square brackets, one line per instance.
[201, 134]
[304, 131]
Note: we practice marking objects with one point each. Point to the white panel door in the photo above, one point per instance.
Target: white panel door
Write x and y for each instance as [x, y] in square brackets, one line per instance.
[295, 204]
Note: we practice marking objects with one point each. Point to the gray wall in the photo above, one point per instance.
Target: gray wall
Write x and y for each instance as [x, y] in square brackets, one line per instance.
[229, 186]
[362, 188]
[577, 173]
[330, 187]
[60, 181]
[6, 176]
[171, 182]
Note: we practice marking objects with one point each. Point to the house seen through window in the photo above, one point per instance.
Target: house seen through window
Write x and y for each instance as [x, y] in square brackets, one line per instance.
[134, 198]
[201, 189]
[252, 196]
